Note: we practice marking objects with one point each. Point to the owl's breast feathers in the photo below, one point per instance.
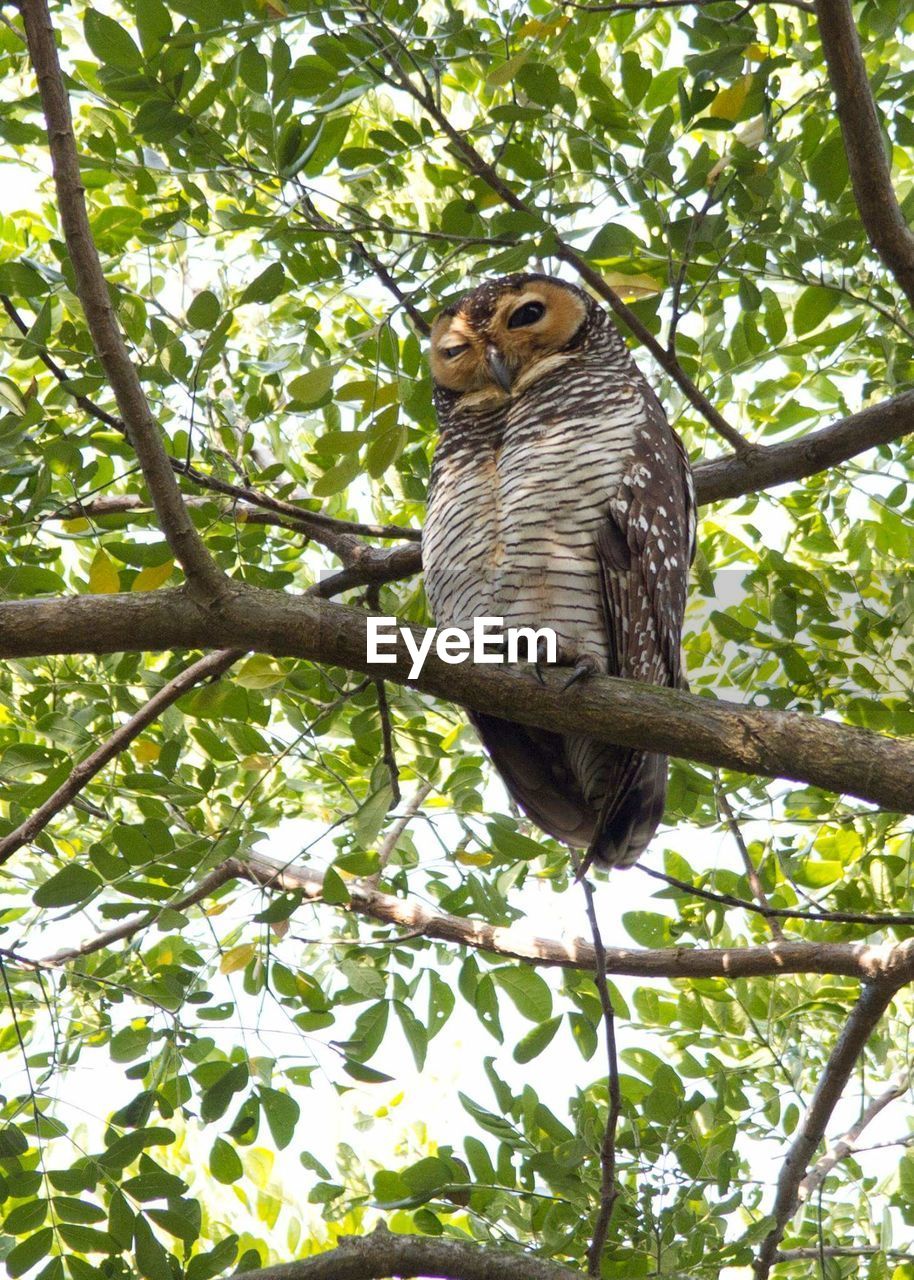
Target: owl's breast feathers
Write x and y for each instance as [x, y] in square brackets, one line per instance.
[568, 505]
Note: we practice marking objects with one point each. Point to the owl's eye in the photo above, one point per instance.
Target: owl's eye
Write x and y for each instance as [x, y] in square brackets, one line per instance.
[529, 313]
[450, 352]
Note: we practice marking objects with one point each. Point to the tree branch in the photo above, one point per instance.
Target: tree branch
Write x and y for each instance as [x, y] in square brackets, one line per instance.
[846, 1144]
[890, 964]
[609, 1189]
[292, 514]
[816, 751]
[870, 170]
[632, 6]
[774, 464]
[563, 251]
[752, 875]
[888, 919]
[874, 999]
[383, 1254]
[203, 574]
[208, 668]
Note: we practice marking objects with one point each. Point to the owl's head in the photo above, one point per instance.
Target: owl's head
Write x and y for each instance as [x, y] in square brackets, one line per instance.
[505, 333]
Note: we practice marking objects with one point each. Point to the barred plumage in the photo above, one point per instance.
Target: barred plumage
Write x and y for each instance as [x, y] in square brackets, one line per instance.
[560, 497]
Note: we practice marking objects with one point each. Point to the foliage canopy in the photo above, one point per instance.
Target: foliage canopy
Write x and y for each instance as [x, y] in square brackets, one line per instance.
[282, 193]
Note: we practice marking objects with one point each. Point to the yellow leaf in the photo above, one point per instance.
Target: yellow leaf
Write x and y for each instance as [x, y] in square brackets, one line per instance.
[151, 578]
[729, 102]
[257, 763]
[474, 859]
[146, 752]
[534, 27]
[103, 578]
[237, 958]
[639, 286]
[506, 71]
[259, 1165]
[259, 672]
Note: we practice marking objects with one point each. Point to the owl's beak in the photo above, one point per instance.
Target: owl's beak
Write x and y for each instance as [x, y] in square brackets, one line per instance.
[498, 368]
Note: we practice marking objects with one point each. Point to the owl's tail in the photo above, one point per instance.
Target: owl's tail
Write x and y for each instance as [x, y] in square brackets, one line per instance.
[585, 793]
[627, 794]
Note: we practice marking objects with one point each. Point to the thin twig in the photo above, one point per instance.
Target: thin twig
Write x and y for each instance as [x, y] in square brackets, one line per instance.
[387, 738]
[847, 1143]
[874, 999]
[210, 667]
[780, 913]
[609, 1189]
[389, 843]
[752, 874]
[315, 217]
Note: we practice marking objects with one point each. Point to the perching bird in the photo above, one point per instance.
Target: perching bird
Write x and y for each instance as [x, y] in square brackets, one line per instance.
[560, 497]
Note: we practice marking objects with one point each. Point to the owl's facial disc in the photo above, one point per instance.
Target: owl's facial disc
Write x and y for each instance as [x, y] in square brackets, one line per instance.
[490, 348]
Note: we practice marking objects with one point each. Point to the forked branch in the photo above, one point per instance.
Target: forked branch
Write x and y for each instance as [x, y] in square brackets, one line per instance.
[208, 668]
[874, 999]
[203, 574]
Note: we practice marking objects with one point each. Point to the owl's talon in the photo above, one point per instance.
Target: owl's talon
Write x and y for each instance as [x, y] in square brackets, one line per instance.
[584, 668]
[538, 668]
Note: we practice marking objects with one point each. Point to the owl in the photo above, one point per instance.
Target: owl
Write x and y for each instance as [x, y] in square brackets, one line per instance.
[560, 497]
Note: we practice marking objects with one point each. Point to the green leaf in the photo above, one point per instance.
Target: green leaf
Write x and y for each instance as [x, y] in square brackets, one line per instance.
[268, 285]
[536, 1040]
[151, 1258]
[528, 990]
[13, 1141]
[29, 1252]
[204, 311]
[224, 1162]
[25, 1217]
[813, 306]
[282, 1113]
[310, 388]
[110, 43]
[73, 883]
[334, 891]
[648, 928]
[217, 1097]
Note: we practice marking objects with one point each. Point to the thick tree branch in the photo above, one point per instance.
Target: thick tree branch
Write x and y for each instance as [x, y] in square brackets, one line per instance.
[382, 1255]
[208, 668]
[807, 749]
[872, 1004]
[847, 1143]
[774, 464]
[203, 574]
[892, 964]
[870, 170]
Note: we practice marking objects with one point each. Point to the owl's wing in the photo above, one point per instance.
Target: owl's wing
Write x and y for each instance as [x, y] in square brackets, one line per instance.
[645, 545]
